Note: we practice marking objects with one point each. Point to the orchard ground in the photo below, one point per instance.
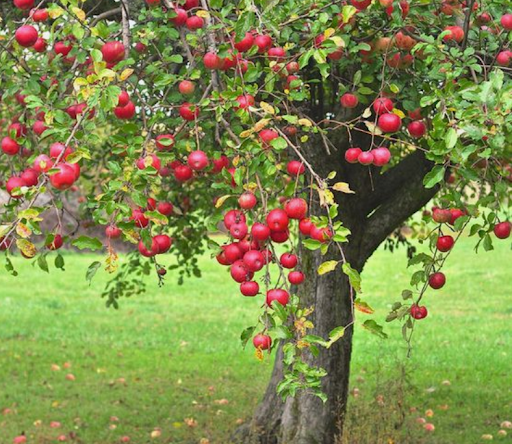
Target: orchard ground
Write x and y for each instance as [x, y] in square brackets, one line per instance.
[171, 359]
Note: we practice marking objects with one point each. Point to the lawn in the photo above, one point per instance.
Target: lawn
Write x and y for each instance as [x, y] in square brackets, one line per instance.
[169, 363]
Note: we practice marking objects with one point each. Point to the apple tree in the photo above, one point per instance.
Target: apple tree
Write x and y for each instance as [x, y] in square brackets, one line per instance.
[308, 131]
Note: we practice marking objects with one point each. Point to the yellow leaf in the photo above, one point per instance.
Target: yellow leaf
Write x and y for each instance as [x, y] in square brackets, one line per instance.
[221, 200]
[363, 307]
[23, 231]
[343, 187]
[338, 41]
[246, 133]
[367, 113]
[269, 109]
[261, 124]
[374, 129]
[259, 354]
[327, 267]
[399, 113]
[125, 74]
[55, 12]
[305, 122]
[326, 197]
[4, 229]
[304, 138]
[203, 14]
[26, 247]
[79, 13]
[328, 32]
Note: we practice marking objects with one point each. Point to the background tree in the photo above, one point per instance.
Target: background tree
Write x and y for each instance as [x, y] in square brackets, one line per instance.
[317, 125]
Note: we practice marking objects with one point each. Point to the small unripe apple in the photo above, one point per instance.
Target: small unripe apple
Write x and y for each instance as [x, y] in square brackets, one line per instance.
[186, 87]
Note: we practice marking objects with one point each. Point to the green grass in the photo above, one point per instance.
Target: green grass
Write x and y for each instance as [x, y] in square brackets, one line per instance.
[174, 353]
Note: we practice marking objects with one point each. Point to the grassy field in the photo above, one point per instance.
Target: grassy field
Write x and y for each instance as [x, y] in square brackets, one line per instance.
[170, 362]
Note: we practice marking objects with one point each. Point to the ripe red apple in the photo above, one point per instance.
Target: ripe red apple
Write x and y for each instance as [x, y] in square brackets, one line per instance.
[112, 52]
[277, 54]
[437, 280]
[125, 112]
[64, 178]
[389, 122]
[267, 135]
[62, 48]
[39, 127]
[383, 105]
[220, 163]
[296, 277]
[247, 201]
[456, 213]
[292, 67]
[24, 4]
[151, 206]
[123, 99]
[12, 183]
[56, 243]
[246, 43]
[445, 243]
[150, 160]
[153, 251]
[26, 35]
[352, 155]
[198, 160]
[164, 243]
[10, 146]
[191, 4]
[194, 22]
[59, 150]
[502, 230]
[456, 33]
[261, 341]
[164, 142]
[295, 168]
[180, 17]
[39, 15]
[278, 295]
[417, 128]
[504, 58]
[263, 42]
[441, 215]
[165, 208]
[182, 173]
[381, 156]
[39, 45]
[365, 157]
[254, 260]
[30, 176]
[249, 288]
[233, 252]
[288, 260]
[139, 218]
[238, 230]
[296, 208]
[279, 237]
[323, 234]
[245, 101]
[189, 112]
[418, 312]
[112, 232]
[260, 232]
[305, 226]
[186, 87]
[277, 220]
[349, 100]
[506, 21]
[239, 273]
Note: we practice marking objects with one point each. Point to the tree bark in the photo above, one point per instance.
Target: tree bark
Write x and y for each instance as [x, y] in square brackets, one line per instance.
[381, 204]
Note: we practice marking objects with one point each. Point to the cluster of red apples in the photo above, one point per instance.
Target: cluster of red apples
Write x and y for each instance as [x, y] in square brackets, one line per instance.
[445, 243]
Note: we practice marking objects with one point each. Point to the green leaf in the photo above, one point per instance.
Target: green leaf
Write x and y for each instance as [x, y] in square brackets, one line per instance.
[451, 137]
[353, 277]
[43, 264]
[433, 177]
[59, 262]
[282, 332]
[375, 328]
[311, 244]
[246, 335]
[84, 242]
[91, 271]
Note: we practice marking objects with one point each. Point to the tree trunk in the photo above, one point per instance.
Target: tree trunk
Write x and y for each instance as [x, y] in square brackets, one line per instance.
[381, 204]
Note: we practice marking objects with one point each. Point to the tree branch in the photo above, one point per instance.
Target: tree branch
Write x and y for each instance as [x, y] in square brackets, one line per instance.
[409, 196]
